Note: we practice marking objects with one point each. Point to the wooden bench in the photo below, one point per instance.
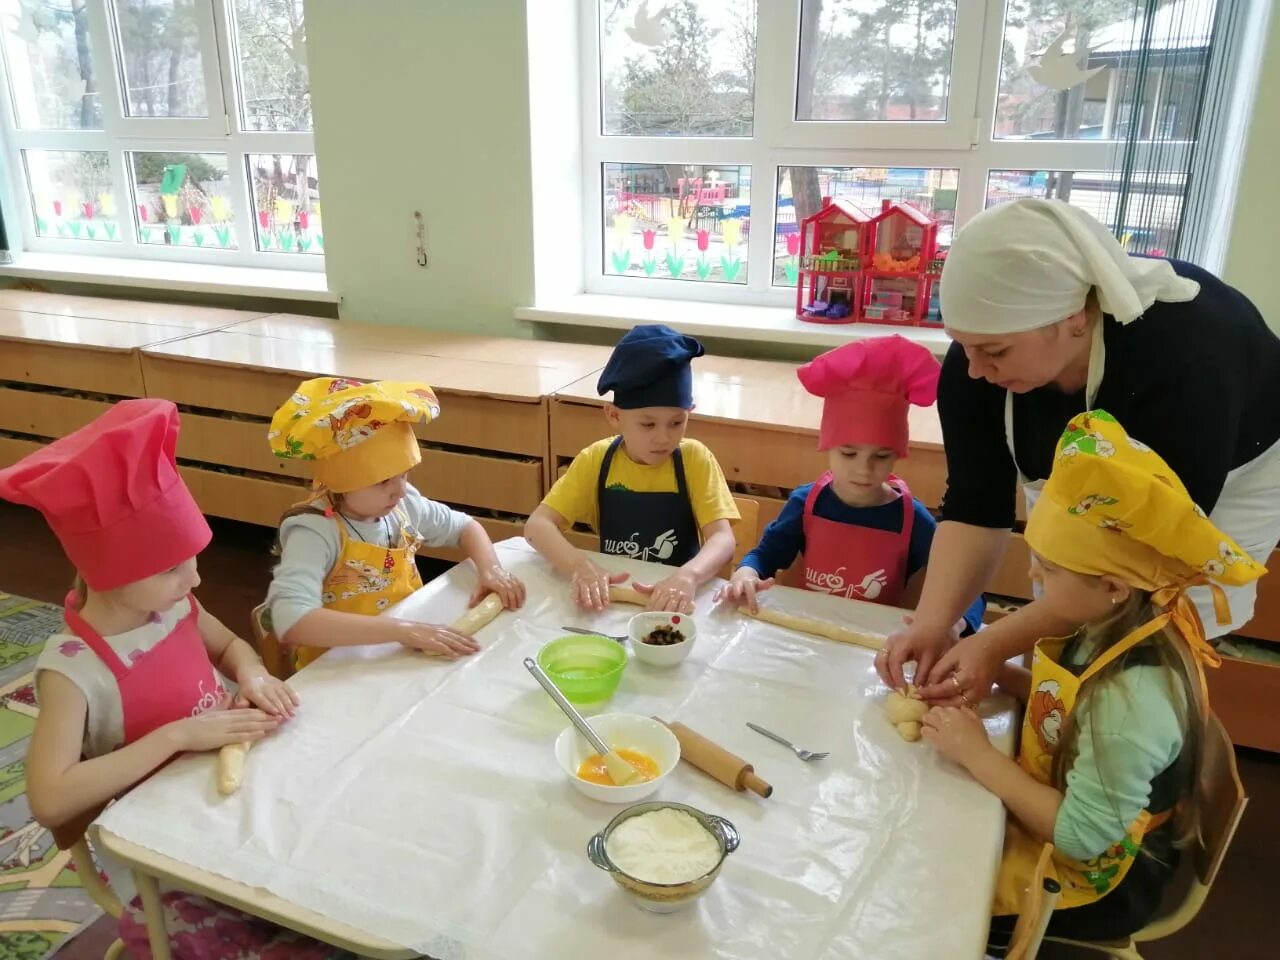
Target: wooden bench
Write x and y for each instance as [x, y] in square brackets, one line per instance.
[65, 359]
[487, 453]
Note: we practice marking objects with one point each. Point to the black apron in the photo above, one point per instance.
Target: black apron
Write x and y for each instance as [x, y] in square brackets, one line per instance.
[659, 527]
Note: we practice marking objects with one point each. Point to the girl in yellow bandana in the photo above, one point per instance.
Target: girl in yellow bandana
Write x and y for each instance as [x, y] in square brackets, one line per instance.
[347, 553]
[1112, 733]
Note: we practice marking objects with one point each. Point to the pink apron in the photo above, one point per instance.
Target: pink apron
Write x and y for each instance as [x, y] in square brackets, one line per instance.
[172, 680]
[853, 561]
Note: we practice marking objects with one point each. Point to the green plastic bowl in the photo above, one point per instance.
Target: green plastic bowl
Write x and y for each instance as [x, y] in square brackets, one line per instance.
[586, 669]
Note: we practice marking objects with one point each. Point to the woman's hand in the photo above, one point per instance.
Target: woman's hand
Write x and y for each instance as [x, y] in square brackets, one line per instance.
[672, 595]
[589, 584]
[436, 641]
[268, 693]
[743, 587]
[918, 641]
[957, 733]
[963, 676]
[220, 726]
[508, 587]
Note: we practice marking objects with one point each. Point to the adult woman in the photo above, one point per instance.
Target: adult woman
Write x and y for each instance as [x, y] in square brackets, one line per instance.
[1050, 317]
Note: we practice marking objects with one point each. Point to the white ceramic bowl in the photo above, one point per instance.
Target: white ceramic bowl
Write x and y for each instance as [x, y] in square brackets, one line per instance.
[620, 730]
[642, 624]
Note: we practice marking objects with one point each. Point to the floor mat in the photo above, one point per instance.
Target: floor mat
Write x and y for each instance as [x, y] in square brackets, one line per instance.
[41, 901]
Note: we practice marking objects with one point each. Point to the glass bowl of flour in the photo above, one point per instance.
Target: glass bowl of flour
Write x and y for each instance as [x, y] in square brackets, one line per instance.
[664, 855]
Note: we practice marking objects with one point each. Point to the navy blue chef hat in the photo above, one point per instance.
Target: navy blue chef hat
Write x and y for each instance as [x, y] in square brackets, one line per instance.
[650, 368]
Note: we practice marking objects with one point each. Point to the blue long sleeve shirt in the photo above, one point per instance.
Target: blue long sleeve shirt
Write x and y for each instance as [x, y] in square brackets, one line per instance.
[783, 540]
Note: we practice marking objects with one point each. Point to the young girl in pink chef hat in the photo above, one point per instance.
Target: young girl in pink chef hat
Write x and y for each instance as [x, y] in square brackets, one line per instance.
[860, 532]
[136, 678]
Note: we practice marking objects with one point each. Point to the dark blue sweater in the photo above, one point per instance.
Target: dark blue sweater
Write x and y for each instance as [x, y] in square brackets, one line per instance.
[783, 540]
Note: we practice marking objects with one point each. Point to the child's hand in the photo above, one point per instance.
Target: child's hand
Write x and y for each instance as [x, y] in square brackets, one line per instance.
[509, 588]
[590, 584]
[742, 588]
[216, 728]
[269, 693]
[674, 594]
[436, 641]
[957, 733]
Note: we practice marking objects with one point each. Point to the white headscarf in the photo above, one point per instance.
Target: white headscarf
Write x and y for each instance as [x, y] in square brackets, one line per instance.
[1030, 263]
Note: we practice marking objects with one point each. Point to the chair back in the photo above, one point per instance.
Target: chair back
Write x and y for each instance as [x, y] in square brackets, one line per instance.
[1037, 907]
[278, 660]
[746, 531]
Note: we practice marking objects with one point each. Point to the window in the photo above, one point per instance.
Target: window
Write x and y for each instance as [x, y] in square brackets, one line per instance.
[168, 129]
[713, 128]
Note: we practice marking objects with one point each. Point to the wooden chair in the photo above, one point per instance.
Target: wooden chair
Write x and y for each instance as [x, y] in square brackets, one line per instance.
[277, 658]
[71, 837]
[1224, 803]
[1041, 897]
[746, 531]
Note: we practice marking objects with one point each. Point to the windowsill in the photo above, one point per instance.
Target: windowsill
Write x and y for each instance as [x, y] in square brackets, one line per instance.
[726, 321]
[166, 275]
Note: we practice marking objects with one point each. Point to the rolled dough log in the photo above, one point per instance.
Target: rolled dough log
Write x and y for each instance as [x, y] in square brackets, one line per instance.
[478, 616]
[619, 594]
[905, 711]
[819, 628]
[231, 767]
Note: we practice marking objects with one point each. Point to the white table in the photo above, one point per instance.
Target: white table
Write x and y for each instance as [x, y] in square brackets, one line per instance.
[419, 801]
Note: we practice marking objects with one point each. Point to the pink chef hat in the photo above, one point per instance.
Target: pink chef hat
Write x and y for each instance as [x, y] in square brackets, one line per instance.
[112, 494]
[867, 387]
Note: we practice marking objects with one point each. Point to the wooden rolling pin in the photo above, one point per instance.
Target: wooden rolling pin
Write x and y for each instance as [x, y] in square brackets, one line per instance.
[231, 758]
[819, 628]
[715, 761]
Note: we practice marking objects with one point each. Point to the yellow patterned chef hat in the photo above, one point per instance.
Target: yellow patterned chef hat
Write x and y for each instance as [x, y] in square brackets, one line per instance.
[1112, 506]
[358, 434]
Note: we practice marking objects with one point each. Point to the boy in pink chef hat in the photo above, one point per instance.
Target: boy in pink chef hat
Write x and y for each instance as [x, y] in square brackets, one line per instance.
[858, 529]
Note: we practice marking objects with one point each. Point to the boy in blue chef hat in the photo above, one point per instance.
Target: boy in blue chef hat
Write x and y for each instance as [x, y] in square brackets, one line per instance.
[649, 492]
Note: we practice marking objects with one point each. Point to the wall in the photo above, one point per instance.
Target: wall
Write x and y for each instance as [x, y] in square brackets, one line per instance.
[1251, 261]
[423, 105]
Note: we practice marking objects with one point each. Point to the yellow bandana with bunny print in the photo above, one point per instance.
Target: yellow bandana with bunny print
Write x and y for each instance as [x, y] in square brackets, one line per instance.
[1112, 506]
[358, 434]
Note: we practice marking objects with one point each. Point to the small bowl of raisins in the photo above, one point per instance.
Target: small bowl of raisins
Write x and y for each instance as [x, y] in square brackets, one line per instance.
[661, 639]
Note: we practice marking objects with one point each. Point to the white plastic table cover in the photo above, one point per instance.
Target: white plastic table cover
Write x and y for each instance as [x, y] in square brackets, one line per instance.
[420, 800]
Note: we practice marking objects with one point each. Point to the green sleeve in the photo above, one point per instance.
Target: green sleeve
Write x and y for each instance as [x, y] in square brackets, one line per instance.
[1129, 733]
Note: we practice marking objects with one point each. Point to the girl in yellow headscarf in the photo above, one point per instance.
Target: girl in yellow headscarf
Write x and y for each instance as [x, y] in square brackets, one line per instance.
[1112, 733]
[348, 551]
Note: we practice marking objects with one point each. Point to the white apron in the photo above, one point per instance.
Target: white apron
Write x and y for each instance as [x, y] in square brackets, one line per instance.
[1248, 509]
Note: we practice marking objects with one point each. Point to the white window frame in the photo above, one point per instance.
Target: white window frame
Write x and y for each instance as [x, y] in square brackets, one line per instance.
[964, 142]
[222, 132]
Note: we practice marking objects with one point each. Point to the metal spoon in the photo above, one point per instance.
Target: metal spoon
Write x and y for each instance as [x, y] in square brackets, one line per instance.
[620, 772]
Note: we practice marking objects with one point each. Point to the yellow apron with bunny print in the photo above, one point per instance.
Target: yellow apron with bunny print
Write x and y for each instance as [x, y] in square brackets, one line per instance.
[368, 578]
[1054, 690]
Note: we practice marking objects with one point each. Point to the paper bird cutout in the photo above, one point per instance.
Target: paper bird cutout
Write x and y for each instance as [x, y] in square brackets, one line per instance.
[648, 29]
[1061, 71]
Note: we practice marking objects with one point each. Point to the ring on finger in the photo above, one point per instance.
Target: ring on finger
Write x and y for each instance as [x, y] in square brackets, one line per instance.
[955, 681]
[967, 702]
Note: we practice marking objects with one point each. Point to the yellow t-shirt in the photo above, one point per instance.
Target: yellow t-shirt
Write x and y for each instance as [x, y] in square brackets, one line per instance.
[575, 495]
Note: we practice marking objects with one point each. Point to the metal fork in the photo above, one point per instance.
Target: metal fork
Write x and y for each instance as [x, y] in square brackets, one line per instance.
[593, 633]
[805, 755]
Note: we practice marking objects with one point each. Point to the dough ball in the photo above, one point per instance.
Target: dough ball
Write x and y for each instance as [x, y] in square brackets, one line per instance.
[909, 731]
[900, 709]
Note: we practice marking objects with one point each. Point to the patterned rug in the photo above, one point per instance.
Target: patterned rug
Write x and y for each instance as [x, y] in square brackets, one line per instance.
[41, 903]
